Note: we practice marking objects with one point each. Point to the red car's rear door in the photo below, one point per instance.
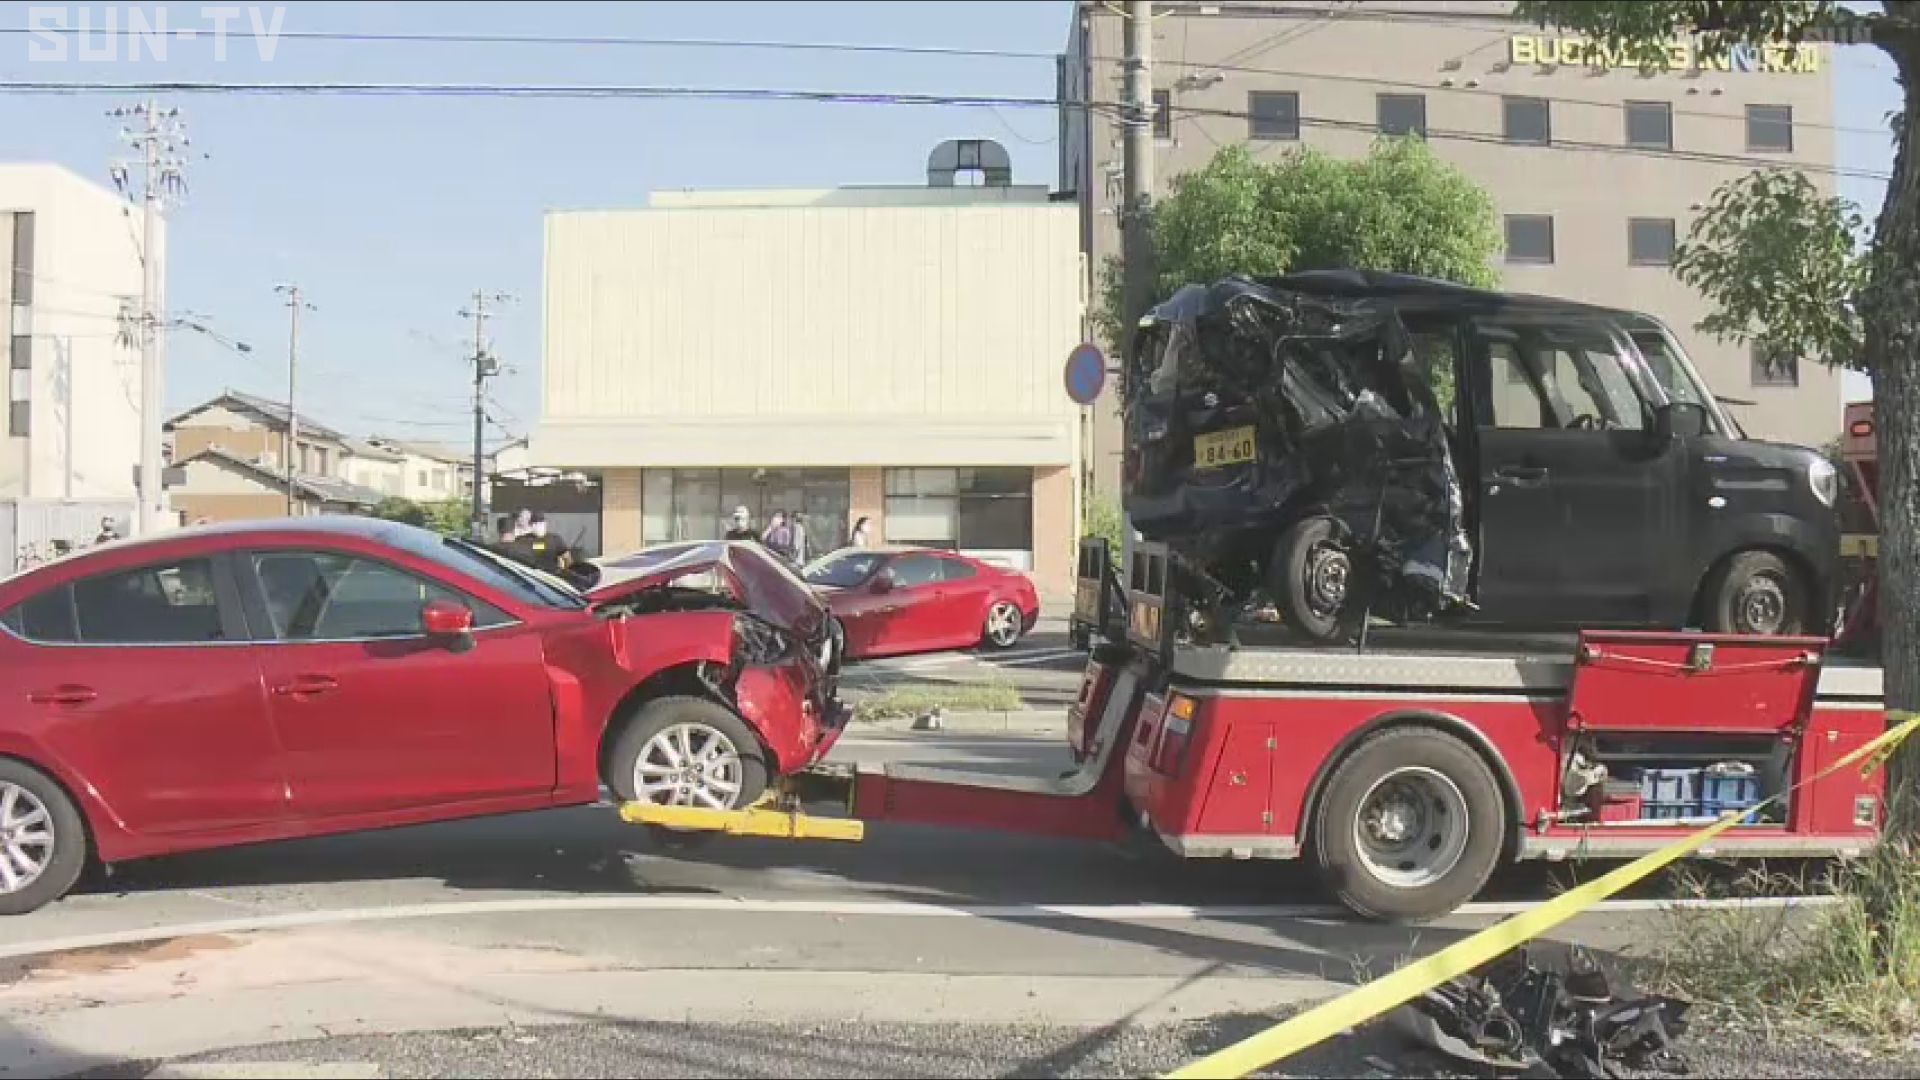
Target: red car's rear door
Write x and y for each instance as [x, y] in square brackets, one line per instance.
[375, 715]
[142, 681]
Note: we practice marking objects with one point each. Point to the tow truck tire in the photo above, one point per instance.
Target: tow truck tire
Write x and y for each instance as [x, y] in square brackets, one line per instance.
[700, 719]
[45, 829]
[1409, 827]
[1313, 579]
[1757, 592]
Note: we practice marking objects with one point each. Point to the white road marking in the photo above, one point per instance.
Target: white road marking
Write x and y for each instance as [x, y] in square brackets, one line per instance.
[1116, 913]
[1043, 658]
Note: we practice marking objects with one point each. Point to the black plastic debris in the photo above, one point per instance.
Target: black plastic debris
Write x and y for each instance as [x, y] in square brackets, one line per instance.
[1516, 1017]
[1343, 413]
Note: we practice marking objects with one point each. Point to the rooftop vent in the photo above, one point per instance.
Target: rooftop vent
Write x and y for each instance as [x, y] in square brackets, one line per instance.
[955, 156]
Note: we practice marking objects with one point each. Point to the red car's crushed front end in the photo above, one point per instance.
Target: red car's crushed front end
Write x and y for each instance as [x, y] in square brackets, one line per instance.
[753, 636]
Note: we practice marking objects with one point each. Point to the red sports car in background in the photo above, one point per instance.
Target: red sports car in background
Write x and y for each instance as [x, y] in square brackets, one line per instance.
[894, 601]
[269, 680]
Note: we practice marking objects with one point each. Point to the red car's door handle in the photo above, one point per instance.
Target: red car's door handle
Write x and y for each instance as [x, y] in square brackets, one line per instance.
[63, 695]
[305, 685]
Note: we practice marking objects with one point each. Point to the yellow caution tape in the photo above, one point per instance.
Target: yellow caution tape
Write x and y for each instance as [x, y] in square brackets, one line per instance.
[1316, 1025]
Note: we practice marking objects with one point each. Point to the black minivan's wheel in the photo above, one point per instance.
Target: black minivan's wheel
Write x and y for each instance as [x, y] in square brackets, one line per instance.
[43, 843]
[1314, 581]
[1410, 826]
[684, 751]
[1757, 592]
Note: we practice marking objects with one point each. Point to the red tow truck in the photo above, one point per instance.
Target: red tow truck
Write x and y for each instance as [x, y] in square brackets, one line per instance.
[1405, 773]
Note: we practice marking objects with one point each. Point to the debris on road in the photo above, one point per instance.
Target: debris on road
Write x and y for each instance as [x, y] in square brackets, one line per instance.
[1516, 1016]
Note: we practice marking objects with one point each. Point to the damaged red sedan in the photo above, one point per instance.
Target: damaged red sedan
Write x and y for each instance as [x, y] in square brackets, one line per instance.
[270, 680]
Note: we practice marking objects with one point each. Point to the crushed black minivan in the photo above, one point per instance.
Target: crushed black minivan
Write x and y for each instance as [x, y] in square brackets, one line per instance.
[1346, 443]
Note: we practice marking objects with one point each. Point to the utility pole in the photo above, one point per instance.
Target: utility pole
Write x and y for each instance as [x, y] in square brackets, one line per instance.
[1136, 233]
[159, 136]
[485, 366]
[294, 304]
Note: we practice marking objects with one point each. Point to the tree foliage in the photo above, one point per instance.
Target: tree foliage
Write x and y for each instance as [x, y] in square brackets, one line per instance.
[1400, 208]
[405, 511]
[1782, 265]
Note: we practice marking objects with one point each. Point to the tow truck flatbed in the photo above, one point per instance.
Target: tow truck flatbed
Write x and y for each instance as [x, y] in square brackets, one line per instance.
[1405, 774]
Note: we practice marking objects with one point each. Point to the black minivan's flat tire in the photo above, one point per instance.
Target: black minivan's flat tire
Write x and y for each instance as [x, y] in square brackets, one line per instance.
[40, 826]
[1757, 592]
[1314, 581]
[1410, 826]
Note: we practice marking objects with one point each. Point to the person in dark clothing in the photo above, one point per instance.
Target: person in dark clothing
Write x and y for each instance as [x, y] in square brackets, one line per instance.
[545, 551]
[742, 527]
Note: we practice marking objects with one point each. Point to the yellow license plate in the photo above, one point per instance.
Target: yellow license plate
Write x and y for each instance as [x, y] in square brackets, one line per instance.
[1233, 446]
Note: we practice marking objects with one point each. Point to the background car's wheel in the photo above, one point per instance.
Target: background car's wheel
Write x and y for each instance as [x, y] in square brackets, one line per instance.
[683, 751]
[1005, 624]
[43, 844]
[1410, 826]
[1757, 592]
[1314, 581]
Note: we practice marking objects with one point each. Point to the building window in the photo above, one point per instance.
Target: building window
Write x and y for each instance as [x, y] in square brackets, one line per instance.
[1273, 114]
[1650, 241]
[22, 258]
[1527, 120]
[1774, 367]
[971, 509]
[1650, 124]
[1529, 238]
[695, 504]
[420, 478]
[1770, 129]
[1163, 114]
[22, 352]
[1402, 114]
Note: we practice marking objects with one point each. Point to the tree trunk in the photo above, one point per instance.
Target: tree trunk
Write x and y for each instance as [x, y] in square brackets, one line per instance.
[1891, 315]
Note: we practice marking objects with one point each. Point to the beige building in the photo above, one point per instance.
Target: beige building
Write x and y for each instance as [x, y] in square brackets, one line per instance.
[72, 277]
[885, 353]
[1596, 167]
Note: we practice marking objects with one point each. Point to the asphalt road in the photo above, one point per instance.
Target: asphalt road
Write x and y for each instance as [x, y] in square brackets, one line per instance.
[1030, 957]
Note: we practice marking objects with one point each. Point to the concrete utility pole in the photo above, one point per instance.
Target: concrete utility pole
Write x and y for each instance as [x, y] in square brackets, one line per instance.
[159, 137]
[294, 304]
[1136, 233]
[485, 366]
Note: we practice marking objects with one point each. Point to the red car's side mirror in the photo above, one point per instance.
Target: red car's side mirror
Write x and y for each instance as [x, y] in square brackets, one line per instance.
[449, 622]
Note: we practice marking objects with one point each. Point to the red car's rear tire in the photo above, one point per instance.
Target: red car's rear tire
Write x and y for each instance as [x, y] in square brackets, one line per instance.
[42, 837]
[1005, 625]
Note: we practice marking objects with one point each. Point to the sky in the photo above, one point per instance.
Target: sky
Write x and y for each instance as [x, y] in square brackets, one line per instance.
[390, 212]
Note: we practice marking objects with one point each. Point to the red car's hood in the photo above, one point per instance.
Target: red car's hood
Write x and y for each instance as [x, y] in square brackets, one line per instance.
[756, 579]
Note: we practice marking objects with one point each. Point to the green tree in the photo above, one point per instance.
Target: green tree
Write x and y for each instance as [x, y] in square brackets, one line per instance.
[1783, 265]
[406, 511]
[448, 517]
[1102, 518]
[1400, 208]
[1888, 340]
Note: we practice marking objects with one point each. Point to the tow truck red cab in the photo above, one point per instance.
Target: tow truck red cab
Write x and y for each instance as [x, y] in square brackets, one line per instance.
[1406, 774]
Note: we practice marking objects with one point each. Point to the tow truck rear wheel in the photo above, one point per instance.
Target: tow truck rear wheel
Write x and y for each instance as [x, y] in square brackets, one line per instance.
[1410, 826]
[1313, 578]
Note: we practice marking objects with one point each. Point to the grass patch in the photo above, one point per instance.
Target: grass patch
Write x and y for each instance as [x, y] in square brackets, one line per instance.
[1852, 965]
[911, 701]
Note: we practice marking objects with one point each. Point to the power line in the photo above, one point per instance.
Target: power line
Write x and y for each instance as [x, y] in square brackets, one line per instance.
[442, 38]
[617, 91]
[1702, 157]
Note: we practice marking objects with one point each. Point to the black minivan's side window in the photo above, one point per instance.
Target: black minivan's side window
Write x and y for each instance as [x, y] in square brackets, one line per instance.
[329, 596]
[1561, 377]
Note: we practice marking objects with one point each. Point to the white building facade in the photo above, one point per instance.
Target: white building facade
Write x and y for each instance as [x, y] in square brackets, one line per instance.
[893, 354]
[70, 277]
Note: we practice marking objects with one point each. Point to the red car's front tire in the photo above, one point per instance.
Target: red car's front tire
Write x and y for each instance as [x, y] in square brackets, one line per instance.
[684, 751]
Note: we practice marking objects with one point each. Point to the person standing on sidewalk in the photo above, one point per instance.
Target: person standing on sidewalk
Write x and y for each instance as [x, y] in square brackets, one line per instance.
[742, 526]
